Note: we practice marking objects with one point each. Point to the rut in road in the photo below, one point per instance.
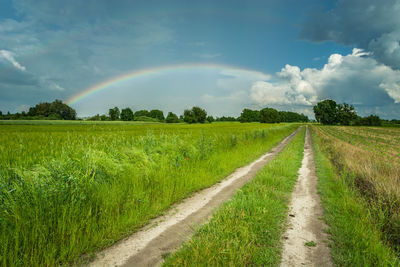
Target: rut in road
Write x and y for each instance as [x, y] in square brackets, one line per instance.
[305, 241]
[147, 246]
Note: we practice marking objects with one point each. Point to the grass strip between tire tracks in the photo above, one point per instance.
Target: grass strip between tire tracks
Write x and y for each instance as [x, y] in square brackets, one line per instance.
[247, 229]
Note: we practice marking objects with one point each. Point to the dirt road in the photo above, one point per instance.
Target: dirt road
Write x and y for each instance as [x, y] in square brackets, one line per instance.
[147, 246]
[305, 242]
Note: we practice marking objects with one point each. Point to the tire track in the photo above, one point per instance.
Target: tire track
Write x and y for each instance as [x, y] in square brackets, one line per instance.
[305, 241]
[147, 246]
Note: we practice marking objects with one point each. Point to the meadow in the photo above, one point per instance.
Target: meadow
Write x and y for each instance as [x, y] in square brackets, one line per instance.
[68, 189]
[359, 171]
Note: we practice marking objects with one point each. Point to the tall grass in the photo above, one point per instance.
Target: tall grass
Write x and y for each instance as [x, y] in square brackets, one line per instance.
[356, 236]
[368, 162]
[246, 231]
[66, 189]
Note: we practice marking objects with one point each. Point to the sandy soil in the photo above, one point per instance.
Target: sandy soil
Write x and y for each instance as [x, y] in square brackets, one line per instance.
[305, 223]
[166, 233]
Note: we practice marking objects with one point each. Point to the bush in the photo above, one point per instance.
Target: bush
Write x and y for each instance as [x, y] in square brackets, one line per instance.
[157, 114]
[126, 114]
[145, 118]
[172, 118]
[194, 115]
[269, 115]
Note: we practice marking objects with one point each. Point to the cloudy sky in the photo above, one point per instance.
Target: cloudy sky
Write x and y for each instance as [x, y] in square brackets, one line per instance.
[287, 54]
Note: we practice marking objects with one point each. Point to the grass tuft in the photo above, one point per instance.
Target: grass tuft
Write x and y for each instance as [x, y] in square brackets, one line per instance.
[310, 244]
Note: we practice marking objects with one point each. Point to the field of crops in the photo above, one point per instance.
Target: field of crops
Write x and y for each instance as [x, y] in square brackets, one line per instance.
[69, 189]
[368, 161]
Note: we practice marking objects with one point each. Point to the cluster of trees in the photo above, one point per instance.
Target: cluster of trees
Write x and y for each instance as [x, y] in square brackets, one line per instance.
[331, 113]
[271, 115]
[172, 118]
[223, 118]
[56, 110]
[126, 114]
[194, 115]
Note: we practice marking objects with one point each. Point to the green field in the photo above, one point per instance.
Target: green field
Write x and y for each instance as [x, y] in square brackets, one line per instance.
[70, 189]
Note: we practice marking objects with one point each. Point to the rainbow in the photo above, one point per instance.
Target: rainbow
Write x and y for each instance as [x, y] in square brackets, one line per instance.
[149, 71]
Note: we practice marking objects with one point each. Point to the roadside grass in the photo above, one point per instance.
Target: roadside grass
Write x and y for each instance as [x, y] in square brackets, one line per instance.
[356, 239]
[66, 190]
[368, 160]
[246, 231]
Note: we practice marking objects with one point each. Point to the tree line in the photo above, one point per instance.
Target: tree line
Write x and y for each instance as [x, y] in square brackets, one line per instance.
[198, 115]
[326, 112]
[56, 110]
[331, 113]
[271, 115]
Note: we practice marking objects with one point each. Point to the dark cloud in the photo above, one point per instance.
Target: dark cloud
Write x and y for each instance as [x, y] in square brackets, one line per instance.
[13, 76]
[368, 24]
[59, 48]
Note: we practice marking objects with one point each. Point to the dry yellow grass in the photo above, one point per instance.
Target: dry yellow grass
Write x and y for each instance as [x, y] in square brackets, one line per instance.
[369, 160]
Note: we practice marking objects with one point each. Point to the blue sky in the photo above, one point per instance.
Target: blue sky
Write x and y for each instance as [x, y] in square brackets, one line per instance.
[308, 50]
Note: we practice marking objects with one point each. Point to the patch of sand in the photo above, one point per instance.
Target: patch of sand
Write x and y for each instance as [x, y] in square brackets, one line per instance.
[305, 223]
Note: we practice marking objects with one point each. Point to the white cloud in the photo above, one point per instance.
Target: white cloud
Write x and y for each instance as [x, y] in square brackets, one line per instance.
[355, 78]
[51, 85]
[9, 56]
[266, 93]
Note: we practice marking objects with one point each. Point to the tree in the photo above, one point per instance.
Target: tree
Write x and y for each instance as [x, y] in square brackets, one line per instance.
[157, 114]
[54, 110]
[41, 109]
[249, 115]
[326, 112]
[289, 116]
[95, 118]
[200, 114]
[172, 118]
[188, 116]
[141, 113]
[114, 113]
[195, 115]
[223, 118]
[269, 115]
[104, 118]
[210, 119]
[63, 110]
[346, 114]
[371, 120]
[126, 114]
